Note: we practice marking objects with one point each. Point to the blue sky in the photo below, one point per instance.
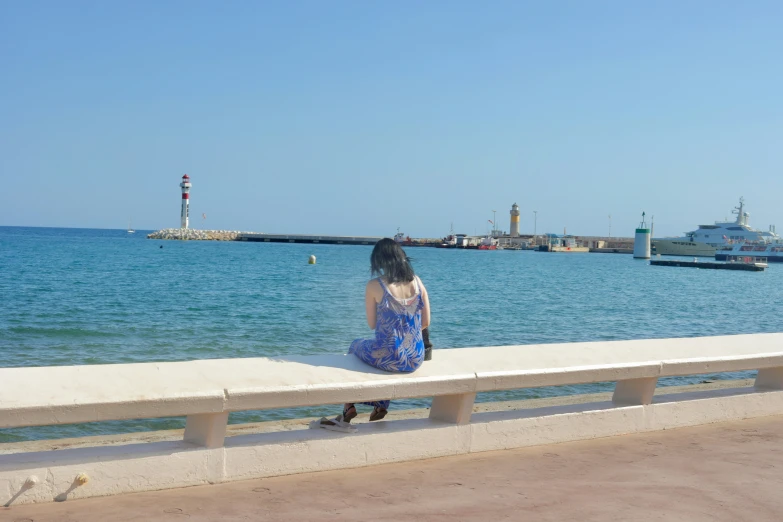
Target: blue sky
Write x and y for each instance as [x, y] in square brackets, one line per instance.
[361, 117]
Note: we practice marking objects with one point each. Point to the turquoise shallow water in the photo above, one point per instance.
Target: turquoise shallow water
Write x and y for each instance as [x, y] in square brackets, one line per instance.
[78, 296]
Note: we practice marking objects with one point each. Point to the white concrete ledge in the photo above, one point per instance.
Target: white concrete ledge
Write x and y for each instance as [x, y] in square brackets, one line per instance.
[730, 363]
[72, 394]
[205, 391]
[510, 379]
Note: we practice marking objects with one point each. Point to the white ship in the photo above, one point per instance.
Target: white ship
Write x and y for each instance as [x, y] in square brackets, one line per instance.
[707, 239]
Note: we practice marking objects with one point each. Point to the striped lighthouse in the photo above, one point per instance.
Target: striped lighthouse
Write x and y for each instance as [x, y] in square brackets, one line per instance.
[185, 186]
[514, 230]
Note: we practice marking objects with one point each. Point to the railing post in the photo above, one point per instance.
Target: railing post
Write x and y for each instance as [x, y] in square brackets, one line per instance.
[770, 379]
[633, 392]
[206, 429]
[455, 409]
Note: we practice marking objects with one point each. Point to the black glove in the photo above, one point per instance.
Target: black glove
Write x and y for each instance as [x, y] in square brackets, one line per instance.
[425, 334]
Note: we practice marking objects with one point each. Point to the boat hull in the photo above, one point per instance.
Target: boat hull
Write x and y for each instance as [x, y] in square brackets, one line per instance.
[682, 247]
[771, 258]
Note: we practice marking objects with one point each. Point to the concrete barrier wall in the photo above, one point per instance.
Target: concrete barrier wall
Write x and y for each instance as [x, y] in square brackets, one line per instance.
[207, 456]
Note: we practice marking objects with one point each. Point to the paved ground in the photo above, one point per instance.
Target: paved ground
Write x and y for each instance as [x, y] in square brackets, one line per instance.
[722, 472]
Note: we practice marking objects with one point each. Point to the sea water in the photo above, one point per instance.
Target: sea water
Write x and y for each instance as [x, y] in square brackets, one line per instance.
[82, 296]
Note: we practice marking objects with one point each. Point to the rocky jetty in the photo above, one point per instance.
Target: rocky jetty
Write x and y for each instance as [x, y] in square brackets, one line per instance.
[192, 234]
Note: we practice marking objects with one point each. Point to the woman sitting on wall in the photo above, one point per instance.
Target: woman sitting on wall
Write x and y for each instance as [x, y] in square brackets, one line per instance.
[397, 309]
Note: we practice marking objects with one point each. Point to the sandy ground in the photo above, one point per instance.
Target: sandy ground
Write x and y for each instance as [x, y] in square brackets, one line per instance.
[720, 472]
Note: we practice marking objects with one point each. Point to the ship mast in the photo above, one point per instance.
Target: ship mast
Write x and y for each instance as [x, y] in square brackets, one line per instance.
[742, 217]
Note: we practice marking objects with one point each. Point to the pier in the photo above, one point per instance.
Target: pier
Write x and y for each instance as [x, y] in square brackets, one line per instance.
[301, 238]
[522, 242]
[194, 234]
[710, 265]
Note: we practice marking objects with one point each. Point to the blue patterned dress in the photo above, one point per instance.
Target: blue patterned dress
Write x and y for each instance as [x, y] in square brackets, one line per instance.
[398, 345]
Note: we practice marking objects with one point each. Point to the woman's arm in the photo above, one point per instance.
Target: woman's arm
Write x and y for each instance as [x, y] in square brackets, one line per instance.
[425, 311]
[372, 294]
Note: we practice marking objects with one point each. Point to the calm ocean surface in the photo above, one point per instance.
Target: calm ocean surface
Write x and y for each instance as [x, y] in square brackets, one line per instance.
[80, 296]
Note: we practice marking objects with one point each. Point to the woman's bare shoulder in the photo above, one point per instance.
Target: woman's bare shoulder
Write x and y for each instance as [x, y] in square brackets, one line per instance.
[373, 288]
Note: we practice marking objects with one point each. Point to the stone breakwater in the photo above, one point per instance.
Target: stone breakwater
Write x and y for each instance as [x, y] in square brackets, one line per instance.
[192, 234]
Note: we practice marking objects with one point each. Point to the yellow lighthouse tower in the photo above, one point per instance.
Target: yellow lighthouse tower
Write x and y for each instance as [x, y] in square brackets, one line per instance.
[514, 229]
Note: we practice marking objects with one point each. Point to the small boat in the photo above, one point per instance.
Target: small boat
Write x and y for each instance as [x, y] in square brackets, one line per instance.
[488, 243]
[452, 240]
[448, 242]
[401, 239]
[770, 251]
[130, 228]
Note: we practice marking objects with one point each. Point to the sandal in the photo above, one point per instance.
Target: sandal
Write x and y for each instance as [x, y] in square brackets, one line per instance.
[349, 413]
[335, 424]
[378, 413]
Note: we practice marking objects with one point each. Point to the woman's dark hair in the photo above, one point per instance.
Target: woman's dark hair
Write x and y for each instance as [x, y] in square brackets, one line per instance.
[389, 260]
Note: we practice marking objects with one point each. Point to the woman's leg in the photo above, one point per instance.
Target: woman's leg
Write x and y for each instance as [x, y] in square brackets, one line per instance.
[349, 411]
[379, 409]
[364, 349]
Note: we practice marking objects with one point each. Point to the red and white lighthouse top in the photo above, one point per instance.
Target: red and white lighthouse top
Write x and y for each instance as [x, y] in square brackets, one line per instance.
[185, 177]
